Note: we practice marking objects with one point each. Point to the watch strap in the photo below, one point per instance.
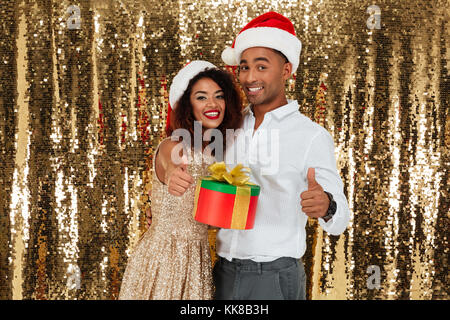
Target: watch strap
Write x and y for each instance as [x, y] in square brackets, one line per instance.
[332, 207]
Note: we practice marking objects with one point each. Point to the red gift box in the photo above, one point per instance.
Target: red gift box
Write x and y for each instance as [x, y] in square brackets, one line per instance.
[224, 205]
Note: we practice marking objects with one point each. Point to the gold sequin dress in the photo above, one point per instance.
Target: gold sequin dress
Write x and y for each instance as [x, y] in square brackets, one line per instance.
[172, 259]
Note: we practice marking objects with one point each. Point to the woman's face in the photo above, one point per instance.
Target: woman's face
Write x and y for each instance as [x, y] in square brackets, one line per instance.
[208, 103]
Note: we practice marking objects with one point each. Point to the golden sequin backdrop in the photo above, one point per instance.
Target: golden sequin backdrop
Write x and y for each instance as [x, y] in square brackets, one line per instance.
[83, 102]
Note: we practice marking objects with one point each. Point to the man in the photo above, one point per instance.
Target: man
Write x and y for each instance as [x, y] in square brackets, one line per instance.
[297, 180]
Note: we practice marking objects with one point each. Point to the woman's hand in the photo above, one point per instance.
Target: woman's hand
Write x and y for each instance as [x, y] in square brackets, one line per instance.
[148, 211]
[149, 217]
[179, 180]
[174, 173]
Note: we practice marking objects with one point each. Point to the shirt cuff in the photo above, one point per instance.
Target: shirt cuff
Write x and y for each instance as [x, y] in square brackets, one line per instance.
[328, 225]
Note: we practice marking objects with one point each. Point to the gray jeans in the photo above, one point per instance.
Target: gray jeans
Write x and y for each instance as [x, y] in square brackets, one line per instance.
[281, 279]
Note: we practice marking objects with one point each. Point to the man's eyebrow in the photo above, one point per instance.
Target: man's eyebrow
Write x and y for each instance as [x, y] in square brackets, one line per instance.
[261, 59]
[255, 60]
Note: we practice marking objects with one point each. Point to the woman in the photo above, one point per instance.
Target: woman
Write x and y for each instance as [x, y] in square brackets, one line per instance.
[172, 259]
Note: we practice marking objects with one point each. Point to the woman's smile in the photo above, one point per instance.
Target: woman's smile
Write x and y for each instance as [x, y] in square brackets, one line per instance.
[212, 114]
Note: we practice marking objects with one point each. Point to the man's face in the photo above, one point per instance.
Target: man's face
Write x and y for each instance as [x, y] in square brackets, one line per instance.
[262, 74]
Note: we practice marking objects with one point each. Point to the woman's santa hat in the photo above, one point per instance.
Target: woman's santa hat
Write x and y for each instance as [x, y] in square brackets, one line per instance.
[270, 30]
[181, 81]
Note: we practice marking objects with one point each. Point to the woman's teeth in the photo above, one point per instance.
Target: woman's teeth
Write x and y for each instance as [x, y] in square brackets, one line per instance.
[213, 115]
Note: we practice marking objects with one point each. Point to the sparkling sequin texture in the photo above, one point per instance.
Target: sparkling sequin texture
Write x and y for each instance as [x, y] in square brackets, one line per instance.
[172, 260]
[83, 103]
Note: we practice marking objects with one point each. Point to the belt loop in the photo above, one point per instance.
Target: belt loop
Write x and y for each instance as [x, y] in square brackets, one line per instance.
[236, 264]
[259, 267]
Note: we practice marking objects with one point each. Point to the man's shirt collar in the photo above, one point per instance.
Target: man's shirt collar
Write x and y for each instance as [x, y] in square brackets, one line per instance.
[280, 112]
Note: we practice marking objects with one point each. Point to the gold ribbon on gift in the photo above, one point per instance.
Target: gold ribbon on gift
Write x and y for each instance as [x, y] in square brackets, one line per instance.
[239, 177]
[240, 208]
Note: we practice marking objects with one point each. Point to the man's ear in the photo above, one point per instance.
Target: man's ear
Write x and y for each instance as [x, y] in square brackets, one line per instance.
[287, 69]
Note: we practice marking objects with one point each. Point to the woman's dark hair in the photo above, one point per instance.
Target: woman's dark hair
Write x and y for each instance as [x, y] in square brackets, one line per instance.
[183, 116]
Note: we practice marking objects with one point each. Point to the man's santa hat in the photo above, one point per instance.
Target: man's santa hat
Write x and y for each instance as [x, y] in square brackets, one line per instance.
[270, 30]
[181, 81]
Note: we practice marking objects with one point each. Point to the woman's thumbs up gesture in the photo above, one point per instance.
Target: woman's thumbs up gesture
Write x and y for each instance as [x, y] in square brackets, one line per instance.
[179, 180]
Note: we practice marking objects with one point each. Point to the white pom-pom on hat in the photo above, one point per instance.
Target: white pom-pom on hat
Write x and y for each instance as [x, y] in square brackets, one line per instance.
[229, 56]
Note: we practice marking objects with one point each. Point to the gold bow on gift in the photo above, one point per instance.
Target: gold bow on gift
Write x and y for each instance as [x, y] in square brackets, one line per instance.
[237, 177]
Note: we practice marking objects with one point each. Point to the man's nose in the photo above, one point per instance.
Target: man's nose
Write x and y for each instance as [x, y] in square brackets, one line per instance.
[247, 77]
[251, 76]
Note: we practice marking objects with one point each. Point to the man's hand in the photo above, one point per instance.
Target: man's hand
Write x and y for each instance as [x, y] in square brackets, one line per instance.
[315, 201]
[179, 179]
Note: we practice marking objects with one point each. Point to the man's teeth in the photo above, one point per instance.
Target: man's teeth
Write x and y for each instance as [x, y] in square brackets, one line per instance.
[254, 89]
[212, 114]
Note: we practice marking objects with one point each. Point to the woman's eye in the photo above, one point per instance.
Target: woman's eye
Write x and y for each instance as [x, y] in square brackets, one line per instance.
[201, 98]
[220, 97]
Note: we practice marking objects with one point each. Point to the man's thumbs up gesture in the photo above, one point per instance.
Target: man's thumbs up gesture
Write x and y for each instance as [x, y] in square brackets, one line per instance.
[315, 201]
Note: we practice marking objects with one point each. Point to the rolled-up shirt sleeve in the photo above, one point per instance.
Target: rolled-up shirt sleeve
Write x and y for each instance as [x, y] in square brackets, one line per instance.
[321, 157]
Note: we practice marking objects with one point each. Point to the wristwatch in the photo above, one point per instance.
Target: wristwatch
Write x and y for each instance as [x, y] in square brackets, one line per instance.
[331, 208]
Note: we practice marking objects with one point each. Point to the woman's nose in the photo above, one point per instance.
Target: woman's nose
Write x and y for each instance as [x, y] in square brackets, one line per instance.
[211, 102]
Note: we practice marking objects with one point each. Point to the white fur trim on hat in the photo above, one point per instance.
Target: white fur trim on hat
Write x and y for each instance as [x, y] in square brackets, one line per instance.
[181, 81]
[268, 37]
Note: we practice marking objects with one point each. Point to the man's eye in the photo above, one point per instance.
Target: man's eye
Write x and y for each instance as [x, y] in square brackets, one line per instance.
[261, 67]
[242, 68]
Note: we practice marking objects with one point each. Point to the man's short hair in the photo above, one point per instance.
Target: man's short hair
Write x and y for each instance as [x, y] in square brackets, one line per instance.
[282, 55]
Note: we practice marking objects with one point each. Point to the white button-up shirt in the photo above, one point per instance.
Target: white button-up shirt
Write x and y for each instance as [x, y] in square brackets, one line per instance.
[279, 154]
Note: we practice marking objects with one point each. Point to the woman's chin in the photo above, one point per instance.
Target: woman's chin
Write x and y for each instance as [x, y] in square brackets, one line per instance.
[211, 124]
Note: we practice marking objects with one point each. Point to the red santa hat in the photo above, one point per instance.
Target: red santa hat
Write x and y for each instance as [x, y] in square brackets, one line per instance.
[270, 30]
[181, 81]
